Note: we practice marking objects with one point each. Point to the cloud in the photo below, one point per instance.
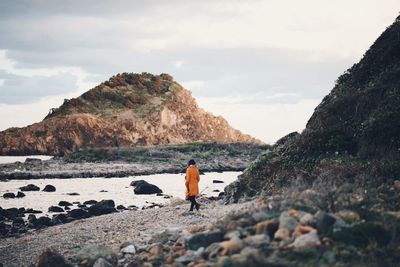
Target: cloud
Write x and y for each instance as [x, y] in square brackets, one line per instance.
[19, 89]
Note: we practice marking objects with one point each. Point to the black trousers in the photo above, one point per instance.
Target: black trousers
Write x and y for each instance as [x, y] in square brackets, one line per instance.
[193, 203]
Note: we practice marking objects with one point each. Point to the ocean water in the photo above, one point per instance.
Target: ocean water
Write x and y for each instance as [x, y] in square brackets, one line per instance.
[117, 189]
[12, 159]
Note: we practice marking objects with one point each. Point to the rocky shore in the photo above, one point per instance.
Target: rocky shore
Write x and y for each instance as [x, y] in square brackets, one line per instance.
[123, 162]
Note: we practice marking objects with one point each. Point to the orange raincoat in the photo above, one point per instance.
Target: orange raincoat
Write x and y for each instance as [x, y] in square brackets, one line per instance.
[192, 181]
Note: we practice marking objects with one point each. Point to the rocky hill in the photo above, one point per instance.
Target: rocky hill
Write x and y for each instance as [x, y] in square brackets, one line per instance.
[127, 110]
[354, 132]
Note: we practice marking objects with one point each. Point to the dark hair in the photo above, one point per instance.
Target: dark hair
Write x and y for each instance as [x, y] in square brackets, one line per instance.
[191, 162]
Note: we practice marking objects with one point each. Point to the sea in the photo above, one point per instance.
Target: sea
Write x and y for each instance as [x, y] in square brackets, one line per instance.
[99, 188]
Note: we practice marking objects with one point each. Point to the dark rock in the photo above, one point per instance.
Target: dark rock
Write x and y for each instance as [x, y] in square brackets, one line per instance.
[55, 209]
[30, 187]
[49, 188]
[43, 221]
[204, 239]
[143, 187]
[78, 214]
[82, 206]
[215, 190]
[20, 194]
[59, 218]
[90, 202]
[18, 221]
[102, 207]
[221, 194]
[9, 195]
[159, 194]
[103, 191]
[218, 182]
[64, 203]
[67, 208]
[324, 222]
[121, 207]
[32, 160]
[50, 258]
[32, 211]
[32, 218]
[73, 194]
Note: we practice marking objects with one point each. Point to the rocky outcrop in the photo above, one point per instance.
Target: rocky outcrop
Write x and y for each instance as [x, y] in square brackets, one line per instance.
[352, 137]
[127, 110]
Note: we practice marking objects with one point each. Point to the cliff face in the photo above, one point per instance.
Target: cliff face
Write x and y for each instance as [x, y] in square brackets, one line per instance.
[127, 110]
[359, 121]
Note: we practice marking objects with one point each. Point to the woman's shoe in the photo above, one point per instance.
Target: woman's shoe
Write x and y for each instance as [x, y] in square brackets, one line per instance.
[197, 207]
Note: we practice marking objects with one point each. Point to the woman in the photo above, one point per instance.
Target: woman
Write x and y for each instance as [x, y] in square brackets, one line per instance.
[192, 184]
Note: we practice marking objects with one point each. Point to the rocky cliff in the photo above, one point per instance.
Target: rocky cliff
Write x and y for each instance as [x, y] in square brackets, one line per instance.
[127, 110]
[356, 127]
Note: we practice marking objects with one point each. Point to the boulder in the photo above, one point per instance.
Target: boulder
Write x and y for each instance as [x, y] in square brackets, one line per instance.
[43, 221]
[49, 188]
[30, 187]
[9, 195]
[64, 203]
[59, 218]
[203, 239]
[102, 207]
[91, 253]
[20, 194]
[324, 222]
[78, 214]
[32, 218]
[286, 221]
[50, 258]
[306, 240]
[55, 209]
[18, 222]
[143, 187]
[90, 202]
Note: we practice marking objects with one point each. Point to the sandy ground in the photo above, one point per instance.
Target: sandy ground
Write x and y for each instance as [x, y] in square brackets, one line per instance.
[111, 230]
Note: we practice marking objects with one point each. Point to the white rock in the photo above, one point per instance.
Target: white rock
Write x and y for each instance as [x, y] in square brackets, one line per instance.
[307, 240]
[129, 249]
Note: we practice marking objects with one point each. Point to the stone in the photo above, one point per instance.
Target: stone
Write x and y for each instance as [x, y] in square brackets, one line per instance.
[18, 221]
[257, 240]
[102, 207]
[300, 230]
[130, 249]
[90, 202]
[155, 251]
[348, 216]
[32, 211]
[9, 195]
[185, 259]
[294, 213]
[307, 219]
[324, 222]
[30, 187]
[121, 207]
[234, 245]
[203, 239]
[43, 221]
[64, 203]
[32, 218]
[310, 239]
[49, 188]
[78, 214]
[73, 194]
[59, 218]
[396, 185]
[267, 227]
[286, 221]
[55, 209]
[144, 188]
[217, 182]
[169, 234]
[50, 258]
[92, 253]
[100, 262]
[20, 194]
[282, 234]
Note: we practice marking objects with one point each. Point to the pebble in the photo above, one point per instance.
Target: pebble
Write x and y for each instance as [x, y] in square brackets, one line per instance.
[100, 262]
[282, 234]
[130, 249]
[286, 221]
[310, 239]
[231, 246]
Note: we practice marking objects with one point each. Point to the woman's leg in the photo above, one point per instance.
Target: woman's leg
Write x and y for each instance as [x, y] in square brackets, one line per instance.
[192, 202]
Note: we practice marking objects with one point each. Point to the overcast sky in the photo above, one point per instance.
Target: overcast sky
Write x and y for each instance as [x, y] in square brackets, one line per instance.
[263, 65]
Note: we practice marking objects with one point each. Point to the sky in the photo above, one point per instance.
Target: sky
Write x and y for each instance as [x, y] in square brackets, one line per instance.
[262, 65]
